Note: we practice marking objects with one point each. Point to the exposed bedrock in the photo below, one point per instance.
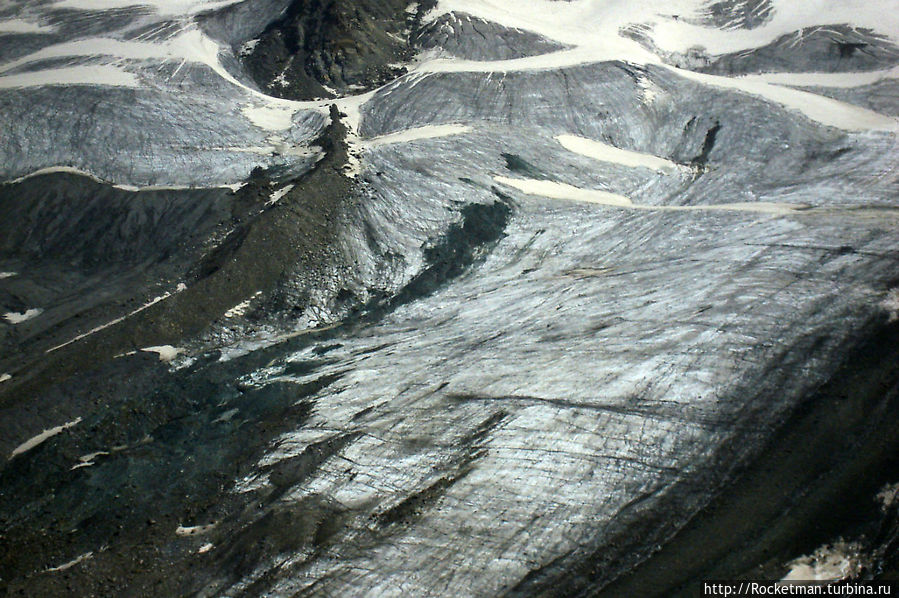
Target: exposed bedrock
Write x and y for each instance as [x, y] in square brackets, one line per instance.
[78, 246]
[317, 48]
[87, 254]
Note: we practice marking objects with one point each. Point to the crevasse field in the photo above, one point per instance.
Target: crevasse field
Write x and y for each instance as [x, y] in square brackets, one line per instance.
[453, 298]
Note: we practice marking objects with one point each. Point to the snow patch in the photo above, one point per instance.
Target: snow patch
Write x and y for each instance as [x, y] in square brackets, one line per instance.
[818, 108]
[195, 530]
[281, 79]
[35, 441]
[242, 307]
[272, 117]
[649, 91]
[554, 190]
[226, 416]
[23, 26]
[248, 47]
[833, 80]
[71, 563]
[564, 191]
[166, 352]
[841, 560]
[888, 496]
[57, 169]
[609, 153]
[5, 377]
[276, 196]
[891, 304]
[416, 133]
[100, 74]
[92, 456]
[87, 460]
[124, 187]
[7, 275]
[17, 318]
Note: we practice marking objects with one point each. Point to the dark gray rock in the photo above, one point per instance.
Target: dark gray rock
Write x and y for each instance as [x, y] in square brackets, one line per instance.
[316, 45]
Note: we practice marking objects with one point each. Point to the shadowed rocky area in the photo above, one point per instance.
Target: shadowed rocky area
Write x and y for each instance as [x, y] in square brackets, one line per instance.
[73, 243]
[545, 299]
[318, 48]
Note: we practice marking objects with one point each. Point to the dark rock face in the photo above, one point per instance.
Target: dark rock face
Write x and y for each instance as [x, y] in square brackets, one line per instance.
[90, 225]
[85, 248]
[339, 45]
[79, 246]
